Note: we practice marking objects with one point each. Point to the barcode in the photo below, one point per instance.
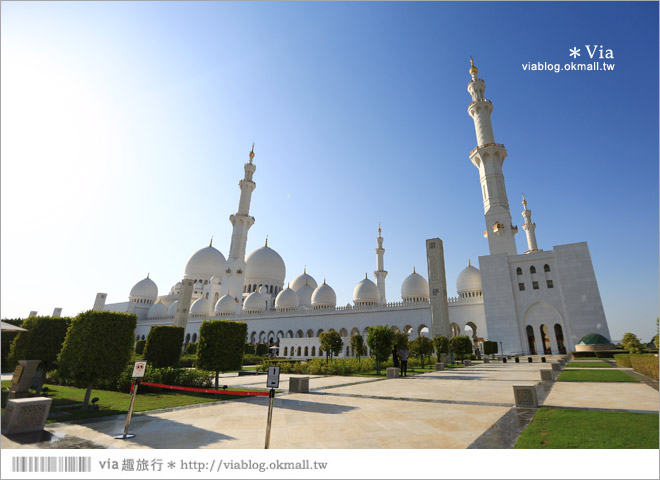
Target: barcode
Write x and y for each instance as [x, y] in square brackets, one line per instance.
[51, 464]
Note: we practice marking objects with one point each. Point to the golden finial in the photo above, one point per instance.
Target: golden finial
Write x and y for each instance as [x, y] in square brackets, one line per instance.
[266, 241]
[524, 202]
[366, 276]
[379, 229]
[305, 270]
[323, 280]
[147, 274]
[414, 270]
[211, 242]
[252, 151]
[469, 262]
[473, 69]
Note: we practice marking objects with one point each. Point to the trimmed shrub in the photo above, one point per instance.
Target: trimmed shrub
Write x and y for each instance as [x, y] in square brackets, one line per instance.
[609, 353]
[7, 339]
[490, 347]
[249, 349]
[421, 347]
[584, 354]
[97, 347]
[191, 349]
[645, 364]
[623, 360]
[163, 348]
[461, 345]
[262, 349]
[221, 346]
[139, 347]
[380, 341]
[441, 345]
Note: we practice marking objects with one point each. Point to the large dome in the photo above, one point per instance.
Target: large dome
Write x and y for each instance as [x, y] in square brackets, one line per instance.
[302, 280]
[145, 288]
[265, 266]
[205, 263]
[469, 280]
[201, 307]
[287, 299]
[366, 293]
[324, 296]
[415, 287]
[172, 310]
[305, 295]
[157, 310]
[225, 305]
[255, 303]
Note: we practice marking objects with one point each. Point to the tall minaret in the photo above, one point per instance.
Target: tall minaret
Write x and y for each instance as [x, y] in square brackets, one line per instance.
[529, 228]
[242, 221]
[488, 157]
[380, 273]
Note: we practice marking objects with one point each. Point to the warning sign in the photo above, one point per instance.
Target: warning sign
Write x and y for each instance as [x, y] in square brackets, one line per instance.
[139, 369]
[273, 377]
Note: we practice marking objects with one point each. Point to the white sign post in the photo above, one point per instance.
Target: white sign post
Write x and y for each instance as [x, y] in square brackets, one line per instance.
[138, 372]
[273, 382]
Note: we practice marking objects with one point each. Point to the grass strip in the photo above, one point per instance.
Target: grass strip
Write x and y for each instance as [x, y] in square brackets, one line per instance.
[588, 365]
[595, 376]
[564, 428]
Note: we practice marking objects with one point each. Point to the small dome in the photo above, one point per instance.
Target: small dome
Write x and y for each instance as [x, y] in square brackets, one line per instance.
[265, 266]
[201, 307]
[366, 293]
[205, 262]
[302, 280]
[287, 299]
[469, 280]
[594, 339]
[226, 305]
[145, 288]
[255, 302]
[263, 290]
[324, 296]
[172, 310]
[414, 286]
[157, 310]
[305, 295]
[215, 280]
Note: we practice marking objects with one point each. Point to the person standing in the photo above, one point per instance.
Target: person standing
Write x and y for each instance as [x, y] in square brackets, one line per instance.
[395, 357]
[403, 357]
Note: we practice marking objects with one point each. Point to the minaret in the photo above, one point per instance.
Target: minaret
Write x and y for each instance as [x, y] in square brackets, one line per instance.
[380, 273]
[242, 221]
[529, 228]
[488, 157]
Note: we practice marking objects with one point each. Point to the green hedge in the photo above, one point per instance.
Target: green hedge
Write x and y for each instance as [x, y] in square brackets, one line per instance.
[221, 346]
[262, 349]
[7, 339]
[644, 364]
[609, 353]
[139, 347]
[163, 348]
[583, 354]
[191, 349]
[42, 341]
[249, 349]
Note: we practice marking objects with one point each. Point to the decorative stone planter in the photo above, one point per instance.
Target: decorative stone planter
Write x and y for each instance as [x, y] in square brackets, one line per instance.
[525, 396]
[299, 385]
[547, 375]
[25, 415]
[439, 367]
[392, 372]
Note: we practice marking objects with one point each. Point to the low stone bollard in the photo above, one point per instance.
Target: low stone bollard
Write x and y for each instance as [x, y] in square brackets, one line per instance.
[504, 359]
[299, 385]
[529, 360]
[25, 415]
[547, 375]
[542, 359]
[486, 360]
[561, 362]
[439, 367]
[517, 360]
[555, 367]
[525, 396]
[392, 372]
[467, 363]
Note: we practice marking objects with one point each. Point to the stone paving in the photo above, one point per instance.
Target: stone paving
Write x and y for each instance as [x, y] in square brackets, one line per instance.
[459, 408]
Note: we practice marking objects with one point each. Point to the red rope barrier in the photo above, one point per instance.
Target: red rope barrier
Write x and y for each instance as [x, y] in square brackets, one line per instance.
[204, 390]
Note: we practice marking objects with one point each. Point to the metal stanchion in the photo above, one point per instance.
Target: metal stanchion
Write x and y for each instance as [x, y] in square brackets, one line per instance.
[271, 397]
[130, 413]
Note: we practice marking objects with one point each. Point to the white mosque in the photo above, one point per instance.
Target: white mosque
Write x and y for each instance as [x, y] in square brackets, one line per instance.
[540, 301]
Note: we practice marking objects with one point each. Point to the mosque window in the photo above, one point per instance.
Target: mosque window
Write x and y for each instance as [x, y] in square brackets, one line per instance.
[550, 285]
[313, 351]
[286, 349]
[532, 269]
[194, 337]
[535, 285]
[546, 268]
[521, 287]
[518, 271]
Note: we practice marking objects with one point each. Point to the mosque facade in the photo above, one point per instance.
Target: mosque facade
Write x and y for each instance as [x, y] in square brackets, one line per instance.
[539, 301]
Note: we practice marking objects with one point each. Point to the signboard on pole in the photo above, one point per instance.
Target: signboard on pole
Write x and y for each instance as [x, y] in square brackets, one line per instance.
[273, 377]
[139, 369]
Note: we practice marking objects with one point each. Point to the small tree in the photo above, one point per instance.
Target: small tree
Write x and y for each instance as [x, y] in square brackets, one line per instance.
[97, 347]
[461, 345]
[490, 347]
[42, 341]
[7, 338]
[400, 340]
[631, 343]
[163, 348]
[358, 345]
[441, 345]
[421, 347]
[139, 347]
[221, 345]
[380, 341]
[331, 343]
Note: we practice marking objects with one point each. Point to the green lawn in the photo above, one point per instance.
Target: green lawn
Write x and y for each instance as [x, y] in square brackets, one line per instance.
[595, 376]
[113, 403]
[588, 365]
[559, 428]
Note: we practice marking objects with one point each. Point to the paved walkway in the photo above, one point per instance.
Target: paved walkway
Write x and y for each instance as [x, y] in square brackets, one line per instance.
[470, 406]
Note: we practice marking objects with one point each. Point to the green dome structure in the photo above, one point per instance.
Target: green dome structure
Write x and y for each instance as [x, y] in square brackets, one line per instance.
[594, 339]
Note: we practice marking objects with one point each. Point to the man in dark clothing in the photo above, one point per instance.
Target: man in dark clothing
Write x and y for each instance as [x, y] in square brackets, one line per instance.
[395, 358]
[403, 355]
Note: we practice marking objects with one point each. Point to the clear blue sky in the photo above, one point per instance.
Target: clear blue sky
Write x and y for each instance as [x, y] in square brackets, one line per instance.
[125, 127]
